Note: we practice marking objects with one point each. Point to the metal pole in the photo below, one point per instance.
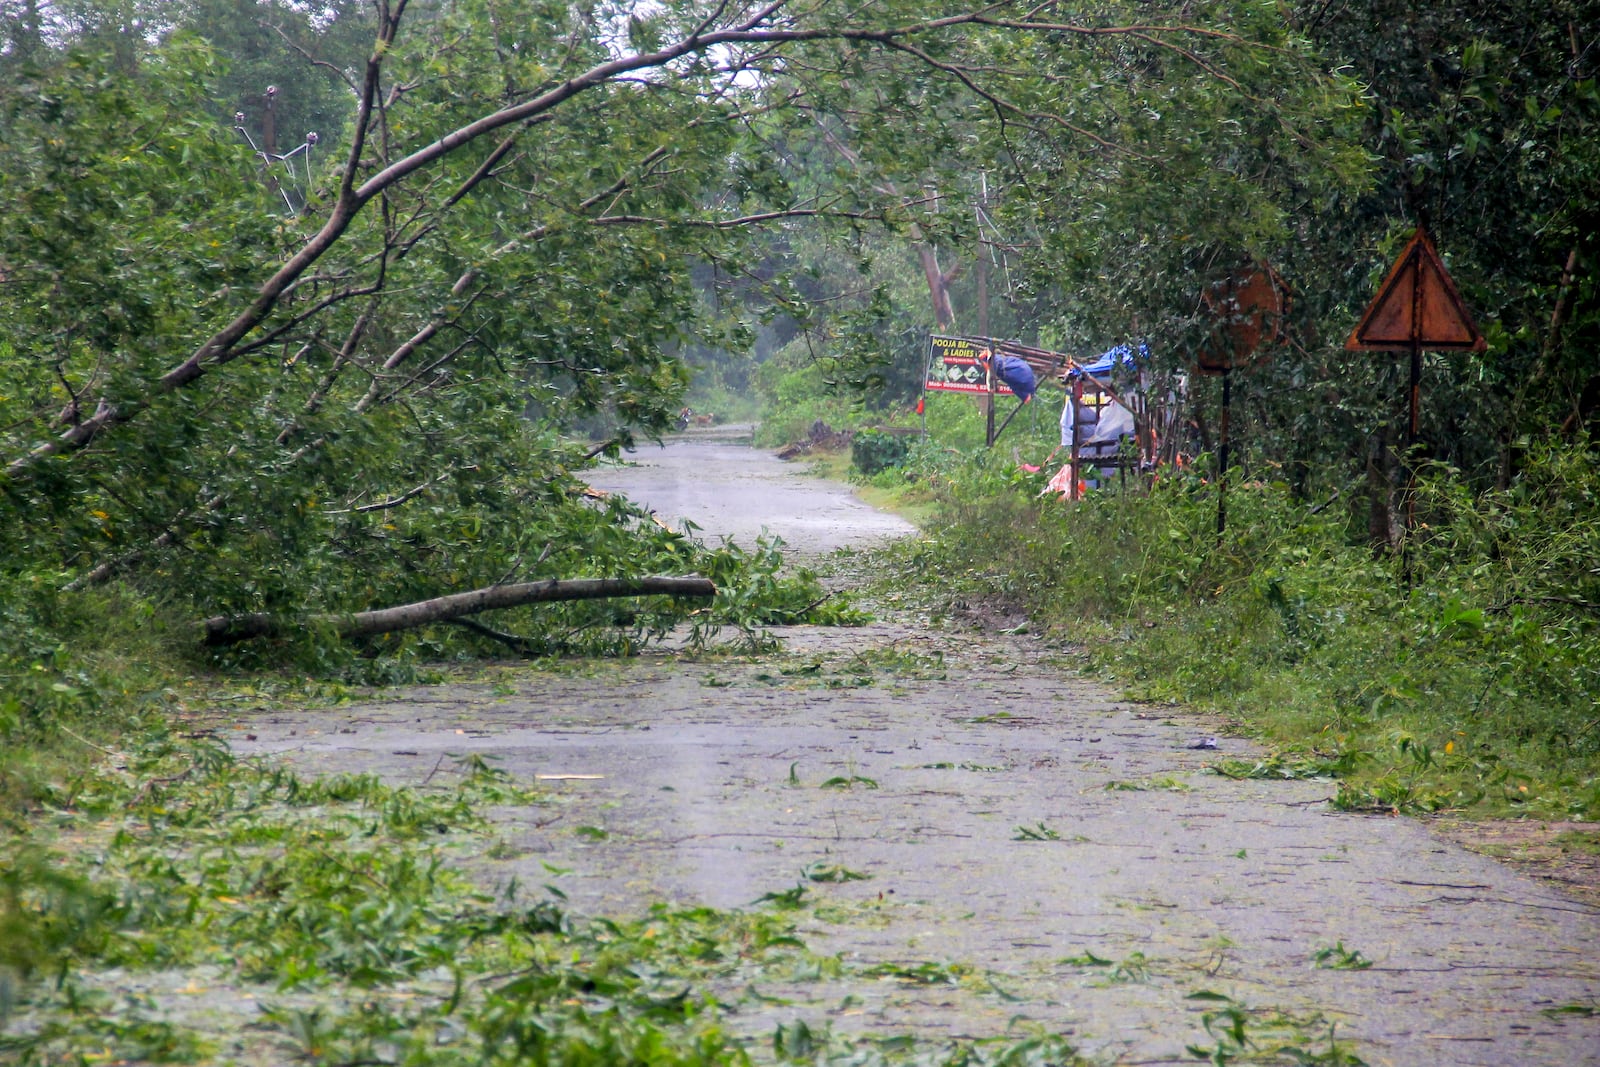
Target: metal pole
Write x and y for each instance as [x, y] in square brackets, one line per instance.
[1076, 401]
[1020, 405]
[1414, 396]
[1222, 477]
[1416, 345]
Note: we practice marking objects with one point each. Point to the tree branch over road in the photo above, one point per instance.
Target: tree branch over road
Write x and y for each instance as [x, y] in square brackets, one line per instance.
[769, 26]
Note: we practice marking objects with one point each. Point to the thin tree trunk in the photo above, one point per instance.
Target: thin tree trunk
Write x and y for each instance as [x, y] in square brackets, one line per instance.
[938, 286]
[232, 629]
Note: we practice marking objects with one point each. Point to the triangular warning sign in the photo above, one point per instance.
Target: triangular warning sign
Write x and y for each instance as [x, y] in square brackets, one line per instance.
[1417, 306]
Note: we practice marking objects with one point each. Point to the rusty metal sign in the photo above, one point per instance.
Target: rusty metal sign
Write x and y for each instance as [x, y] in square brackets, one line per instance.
[1251, 308]
[1417, 307]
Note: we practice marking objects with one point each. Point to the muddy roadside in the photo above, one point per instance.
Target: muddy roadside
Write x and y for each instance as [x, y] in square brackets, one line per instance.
[998, 843]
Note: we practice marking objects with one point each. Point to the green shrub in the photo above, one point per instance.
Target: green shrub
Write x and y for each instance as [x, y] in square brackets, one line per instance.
[797, 395]
[872, 451]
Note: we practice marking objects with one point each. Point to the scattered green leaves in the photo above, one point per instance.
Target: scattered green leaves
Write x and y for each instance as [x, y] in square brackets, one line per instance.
[1036, 832]
[1338, 958]
[850, 781]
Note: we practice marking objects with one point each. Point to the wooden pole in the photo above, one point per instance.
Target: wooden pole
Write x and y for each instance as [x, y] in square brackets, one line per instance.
[922, 397]
[990, 435]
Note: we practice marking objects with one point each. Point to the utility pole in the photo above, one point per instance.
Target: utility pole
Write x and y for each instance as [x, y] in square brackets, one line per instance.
[983, 307]
[983, 261]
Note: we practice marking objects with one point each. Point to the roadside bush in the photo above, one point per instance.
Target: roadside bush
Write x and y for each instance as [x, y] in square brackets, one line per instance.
[872, 451]
[75, 671]
[956, 420]
[796, 396]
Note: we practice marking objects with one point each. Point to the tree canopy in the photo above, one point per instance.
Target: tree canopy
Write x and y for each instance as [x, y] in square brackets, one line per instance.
[370, 372]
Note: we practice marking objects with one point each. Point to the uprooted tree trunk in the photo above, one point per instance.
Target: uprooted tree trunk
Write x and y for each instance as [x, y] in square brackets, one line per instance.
[232, 629]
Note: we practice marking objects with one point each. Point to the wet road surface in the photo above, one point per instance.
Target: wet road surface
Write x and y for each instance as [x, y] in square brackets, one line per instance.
[1064, 851]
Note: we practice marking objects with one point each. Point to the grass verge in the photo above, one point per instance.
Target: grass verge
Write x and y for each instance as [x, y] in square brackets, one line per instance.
[1464, 679]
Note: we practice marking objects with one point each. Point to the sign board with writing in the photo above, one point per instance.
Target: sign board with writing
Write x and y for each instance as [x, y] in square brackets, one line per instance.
[953, 365]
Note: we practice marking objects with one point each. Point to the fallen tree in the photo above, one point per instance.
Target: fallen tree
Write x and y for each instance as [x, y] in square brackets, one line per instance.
[232, 629]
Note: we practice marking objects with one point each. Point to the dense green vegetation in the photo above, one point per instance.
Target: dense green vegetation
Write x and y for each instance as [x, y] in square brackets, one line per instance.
[248, 369]
[367, 370]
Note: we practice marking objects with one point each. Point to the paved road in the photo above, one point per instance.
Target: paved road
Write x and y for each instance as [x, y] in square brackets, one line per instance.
[713, 478]
[1062, 856]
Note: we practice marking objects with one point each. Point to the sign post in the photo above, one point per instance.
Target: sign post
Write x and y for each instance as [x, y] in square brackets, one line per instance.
[1250, 307]
[988, 405]
[1417, 307]
[965, 365]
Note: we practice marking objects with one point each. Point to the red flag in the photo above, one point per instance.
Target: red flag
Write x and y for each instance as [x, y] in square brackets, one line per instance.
[919, 405]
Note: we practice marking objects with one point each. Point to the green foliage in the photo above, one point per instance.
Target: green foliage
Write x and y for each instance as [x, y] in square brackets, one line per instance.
[798, 393]
[406, 422]
[336, 907]
[873, 451]
[1041, 832]
[1240, 1034]
[384, 389]
[63, 699]
[833, 872]
[1469, 687]
[714, 391]
[300, 52]
[1199, 176]
[1337, 957]
[755, 590]
[1491, 146]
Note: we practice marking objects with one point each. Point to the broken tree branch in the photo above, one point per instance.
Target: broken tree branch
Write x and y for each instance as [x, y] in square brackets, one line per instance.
[232, 629]
[520, 645]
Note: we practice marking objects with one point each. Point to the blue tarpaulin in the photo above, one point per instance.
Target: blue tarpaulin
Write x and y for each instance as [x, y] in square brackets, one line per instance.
[1017, 375]
[1111, 359]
